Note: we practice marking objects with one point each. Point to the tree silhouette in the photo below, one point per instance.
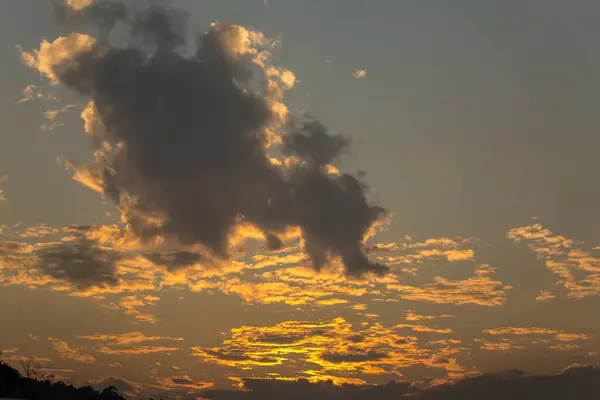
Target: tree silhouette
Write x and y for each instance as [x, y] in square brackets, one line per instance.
[32, 384]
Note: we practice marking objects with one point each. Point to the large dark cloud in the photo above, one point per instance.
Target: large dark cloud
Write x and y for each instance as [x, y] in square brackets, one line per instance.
[193, 147]
[575, 383]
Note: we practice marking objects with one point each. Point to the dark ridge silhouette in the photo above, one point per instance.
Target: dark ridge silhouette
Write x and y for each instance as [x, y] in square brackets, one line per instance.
[577, 382]
[14, 385]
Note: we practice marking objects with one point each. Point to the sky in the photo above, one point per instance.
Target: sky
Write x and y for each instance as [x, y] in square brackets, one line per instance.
[206, 193]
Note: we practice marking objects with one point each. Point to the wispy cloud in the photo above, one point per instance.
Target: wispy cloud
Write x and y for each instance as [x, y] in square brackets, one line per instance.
[73, 353]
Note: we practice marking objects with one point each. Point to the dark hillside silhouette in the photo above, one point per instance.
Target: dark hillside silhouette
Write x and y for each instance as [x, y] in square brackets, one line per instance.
[35, 386]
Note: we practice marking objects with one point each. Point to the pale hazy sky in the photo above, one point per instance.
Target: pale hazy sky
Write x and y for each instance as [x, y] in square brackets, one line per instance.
[476, 122]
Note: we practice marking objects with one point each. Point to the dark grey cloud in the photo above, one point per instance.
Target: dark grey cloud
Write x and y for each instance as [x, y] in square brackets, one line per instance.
[182, 381]
[279, 338]
[353, 357]
[314, 144]
[574, 383]
[193, 145]
[175, 259]
[81, 262]
[227, 355]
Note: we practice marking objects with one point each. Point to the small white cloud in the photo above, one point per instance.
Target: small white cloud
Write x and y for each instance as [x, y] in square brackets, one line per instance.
[360, 73]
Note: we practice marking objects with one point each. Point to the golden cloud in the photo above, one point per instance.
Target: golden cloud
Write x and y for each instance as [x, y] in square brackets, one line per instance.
[331, 348]
[479, 289]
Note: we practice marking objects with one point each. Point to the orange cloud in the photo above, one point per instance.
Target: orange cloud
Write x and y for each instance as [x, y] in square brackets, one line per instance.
[479, 289]
[121, 344]
[66, 351]
[579, 270]
[38, 231]
[570, 337]
[424, 328]
[132, 303]
[135, 350]
[127, 338]
[509, 330]
[411, 315]
[563, 338]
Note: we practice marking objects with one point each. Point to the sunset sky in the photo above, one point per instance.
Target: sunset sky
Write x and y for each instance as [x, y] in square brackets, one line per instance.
[355, 191]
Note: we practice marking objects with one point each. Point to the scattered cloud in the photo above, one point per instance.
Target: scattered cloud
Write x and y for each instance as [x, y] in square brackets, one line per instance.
[137, 350]
[578, 270]
[411, 315]
[66, 351]
[424, 328]
[128, 343]
[545, 295]
[132, 303]
[38, 232]
[479, 289]
[525, 337]
[127, 338]
[51, 115]
[509, 330]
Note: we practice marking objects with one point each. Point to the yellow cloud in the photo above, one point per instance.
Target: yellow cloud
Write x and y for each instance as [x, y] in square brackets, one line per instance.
[424, 328]
[479, 289]
[330, 348]
[79, 4]
[52, 55]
